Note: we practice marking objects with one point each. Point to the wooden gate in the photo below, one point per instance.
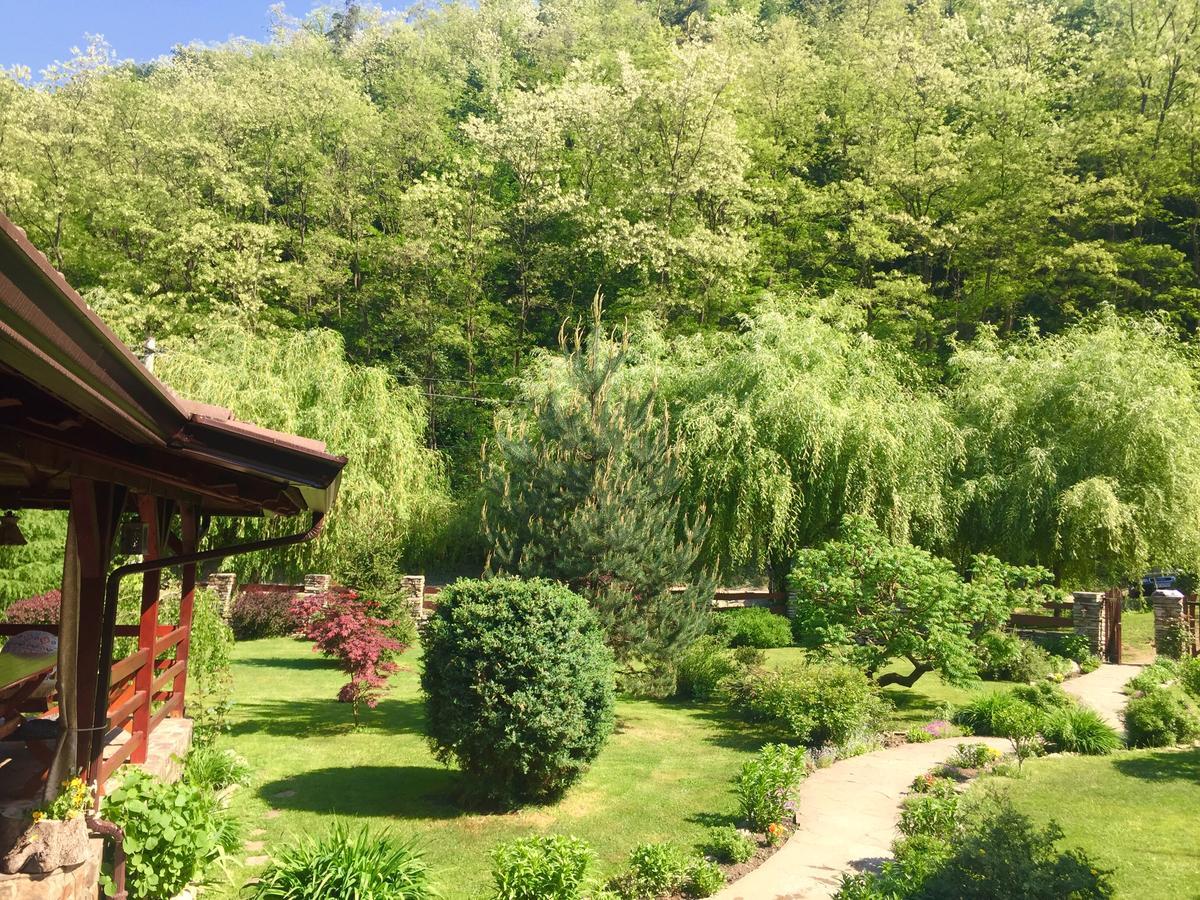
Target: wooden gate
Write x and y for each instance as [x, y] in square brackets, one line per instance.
[1191, 624]
[1112, 619]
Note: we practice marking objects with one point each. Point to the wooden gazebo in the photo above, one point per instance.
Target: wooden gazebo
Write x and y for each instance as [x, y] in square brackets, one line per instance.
[86, 428]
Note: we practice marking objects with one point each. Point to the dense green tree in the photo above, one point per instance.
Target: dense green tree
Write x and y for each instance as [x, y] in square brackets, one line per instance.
[582, 485]
[1077, 452]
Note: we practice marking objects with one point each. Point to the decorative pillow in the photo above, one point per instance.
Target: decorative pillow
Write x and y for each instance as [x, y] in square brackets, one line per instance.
[31, 643]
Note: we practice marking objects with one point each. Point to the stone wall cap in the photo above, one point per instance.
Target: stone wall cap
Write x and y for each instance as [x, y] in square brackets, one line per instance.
[1087, 595]
[1169, 594]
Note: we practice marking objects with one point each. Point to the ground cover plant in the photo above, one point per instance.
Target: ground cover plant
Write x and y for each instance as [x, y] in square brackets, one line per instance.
[664, 775]
[518, 687]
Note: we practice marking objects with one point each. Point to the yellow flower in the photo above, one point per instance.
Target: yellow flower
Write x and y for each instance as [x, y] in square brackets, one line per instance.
[38, 816]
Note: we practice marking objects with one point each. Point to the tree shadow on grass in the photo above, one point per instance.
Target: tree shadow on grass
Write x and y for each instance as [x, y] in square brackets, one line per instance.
[714, 820]
[911, 703]
[396, 792]
[731, 730]
[1162, 765]
[315, 662]
[312, 718]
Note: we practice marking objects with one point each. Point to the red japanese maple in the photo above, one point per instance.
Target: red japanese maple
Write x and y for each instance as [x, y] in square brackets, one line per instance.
[341, 626]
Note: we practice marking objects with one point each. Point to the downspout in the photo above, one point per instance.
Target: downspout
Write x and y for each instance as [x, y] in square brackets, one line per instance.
[111, 594]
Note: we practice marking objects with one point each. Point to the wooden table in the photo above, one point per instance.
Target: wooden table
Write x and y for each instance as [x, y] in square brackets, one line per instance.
[20, 677]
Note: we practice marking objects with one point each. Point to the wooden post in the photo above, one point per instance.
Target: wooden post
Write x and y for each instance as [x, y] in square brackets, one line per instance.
[143, 680]
[187, 598]
[95, 507]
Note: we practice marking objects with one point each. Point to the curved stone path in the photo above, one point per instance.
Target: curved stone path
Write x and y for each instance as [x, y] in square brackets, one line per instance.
[847, 821]
[848, 812]
[1102, 691]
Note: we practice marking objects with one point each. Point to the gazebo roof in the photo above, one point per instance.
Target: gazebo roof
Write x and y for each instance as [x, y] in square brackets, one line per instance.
[75, 401]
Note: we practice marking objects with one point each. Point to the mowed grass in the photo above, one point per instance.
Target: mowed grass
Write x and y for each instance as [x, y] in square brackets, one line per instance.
[664, 775]
[1137, 637]
[1135, 812]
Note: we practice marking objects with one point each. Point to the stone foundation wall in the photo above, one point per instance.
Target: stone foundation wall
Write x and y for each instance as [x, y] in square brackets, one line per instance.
[222, 585]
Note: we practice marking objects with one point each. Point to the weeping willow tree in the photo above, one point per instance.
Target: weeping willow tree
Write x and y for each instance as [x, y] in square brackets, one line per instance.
[1082, 450]
[793, 424]
[37, 566]
[393, 494]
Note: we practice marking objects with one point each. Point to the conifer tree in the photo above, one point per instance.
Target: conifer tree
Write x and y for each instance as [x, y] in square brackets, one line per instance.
[582, 485]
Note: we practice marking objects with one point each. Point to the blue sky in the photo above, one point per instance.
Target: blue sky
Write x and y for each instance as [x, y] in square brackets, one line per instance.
[35, 33]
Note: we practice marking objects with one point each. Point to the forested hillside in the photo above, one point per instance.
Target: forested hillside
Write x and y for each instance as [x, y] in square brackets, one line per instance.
[867, 187]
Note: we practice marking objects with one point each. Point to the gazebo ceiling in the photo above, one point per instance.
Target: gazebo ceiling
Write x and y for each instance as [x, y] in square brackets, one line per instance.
[74, 401]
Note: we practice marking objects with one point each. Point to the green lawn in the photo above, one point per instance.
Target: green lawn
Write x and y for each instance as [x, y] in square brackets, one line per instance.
[664, 775]
[1137, 812]
[1137, 637]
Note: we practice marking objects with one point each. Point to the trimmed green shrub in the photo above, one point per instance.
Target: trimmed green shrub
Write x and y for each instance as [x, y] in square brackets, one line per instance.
[751, 627]
[1189, 676]
[549, 867]
[701, 669]
[704, 879]
[729, 845]
[829, 703]
[518, 686]
[1079, 730]
[365, 865]
[1163, 717]
[766, 784]
[171, 831]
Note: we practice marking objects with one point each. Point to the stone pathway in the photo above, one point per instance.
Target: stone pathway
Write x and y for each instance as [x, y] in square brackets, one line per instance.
[1101, 690]
[847, 821]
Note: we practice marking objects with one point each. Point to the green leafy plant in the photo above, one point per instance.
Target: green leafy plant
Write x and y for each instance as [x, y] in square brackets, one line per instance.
[752, 627]
[1158, 673]
[972, 756]
[980, 714]
[1044, 695]
[209, 682]
[828, 703]
[653, 870]
[704, 879]
[1175, 641]
[74, 799]
[729, 845]
[171, 832]
[917, 734]
[766, 785]
[932, 812]
[1162, 717]
[1075, 647]
[518, 686]
[1021, 723]
[1189, 676]
[550, 867]
[1006, 657]
[211, 769]
[701, 668]
[1077, 729]
[364, 865]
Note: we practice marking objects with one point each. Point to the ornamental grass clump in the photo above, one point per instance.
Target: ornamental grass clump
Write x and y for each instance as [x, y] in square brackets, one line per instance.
[1078, 729]
[365, 865]
[518, 687]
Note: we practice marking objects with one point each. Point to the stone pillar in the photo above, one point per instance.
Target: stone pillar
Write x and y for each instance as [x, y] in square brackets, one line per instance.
[317, 584]
[222, 584]
[1168, 616]
[1090, 619]
[413, 588]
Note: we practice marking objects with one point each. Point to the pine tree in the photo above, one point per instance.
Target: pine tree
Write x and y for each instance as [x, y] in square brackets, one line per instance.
[582, 485]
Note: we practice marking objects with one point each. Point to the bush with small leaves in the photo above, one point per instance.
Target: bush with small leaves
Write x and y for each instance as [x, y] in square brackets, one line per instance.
[933, 812]
[262, 613]
[701, 668]
[704, 879]
[1189, 676]
[1090, 664]
[1006, 657]
[518, 686]
[1158, 673]
[1079, 730]
[752, 627]
[826, 703]
[365, 865]
[1175, 641]
[1021, 723]
[1163, 717]
[730, 845]
[548, 867]
[1070, 646]
[766, 785]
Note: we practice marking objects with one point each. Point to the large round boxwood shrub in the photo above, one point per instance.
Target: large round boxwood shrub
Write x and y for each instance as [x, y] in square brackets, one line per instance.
[518, 687]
